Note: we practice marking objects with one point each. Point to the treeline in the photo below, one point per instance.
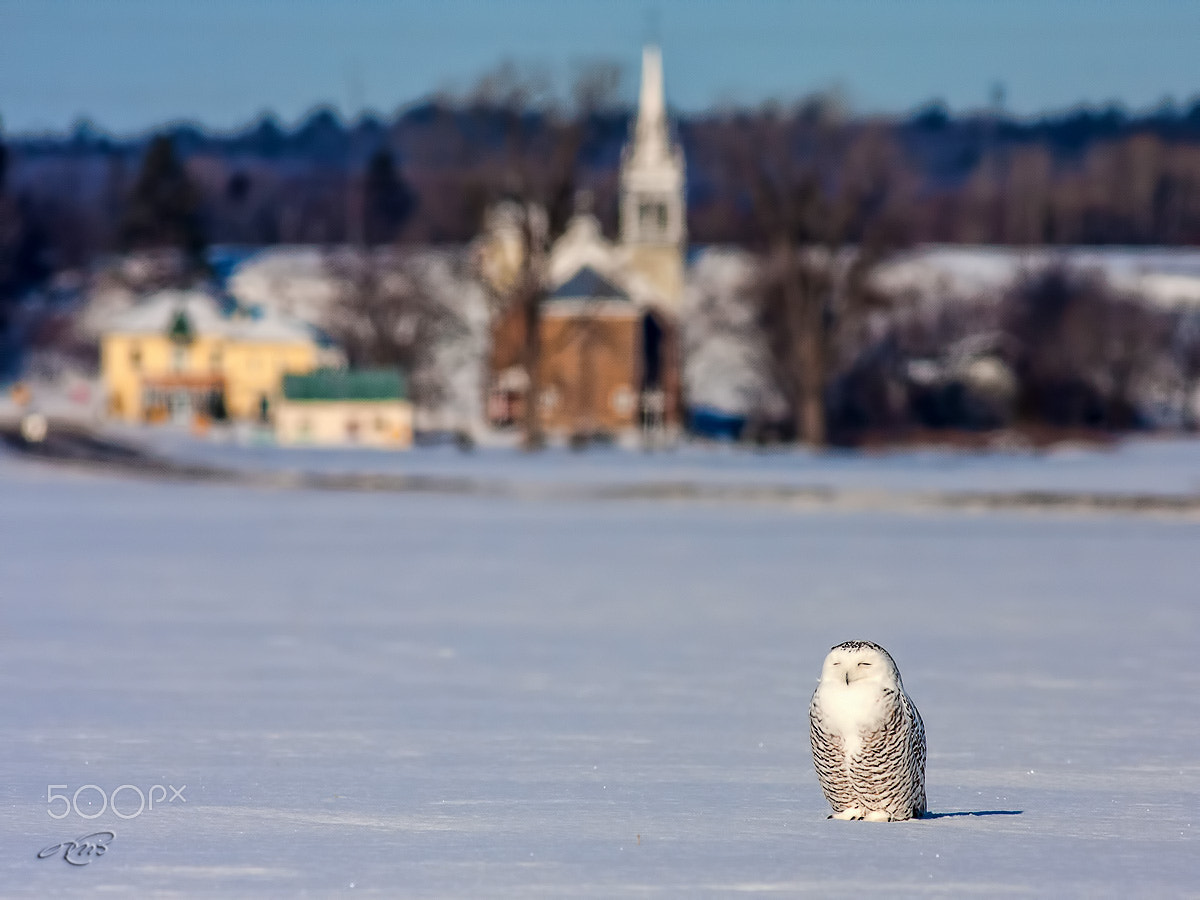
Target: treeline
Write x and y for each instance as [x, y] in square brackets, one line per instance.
[1080, 178]
[308, 185]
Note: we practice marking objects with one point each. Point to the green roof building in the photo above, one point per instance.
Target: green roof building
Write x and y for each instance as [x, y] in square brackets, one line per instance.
[345, 407]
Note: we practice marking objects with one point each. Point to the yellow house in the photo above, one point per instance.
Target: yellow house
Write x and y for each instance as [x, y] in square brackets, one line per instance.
[182, 354]
[345, 408]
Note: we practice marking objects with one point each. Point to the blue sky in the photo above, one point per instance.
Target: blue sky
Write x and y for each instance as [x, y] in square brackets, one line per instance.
[129, 65]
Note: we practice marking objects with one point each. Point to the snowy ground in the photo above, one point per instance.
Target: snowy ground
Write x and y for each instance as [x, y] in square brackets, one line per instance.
[438, 696]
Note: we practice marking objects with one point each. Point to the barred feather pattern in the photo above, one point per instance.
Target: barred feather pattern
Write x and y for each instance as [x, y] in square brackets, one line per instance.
[872, 762]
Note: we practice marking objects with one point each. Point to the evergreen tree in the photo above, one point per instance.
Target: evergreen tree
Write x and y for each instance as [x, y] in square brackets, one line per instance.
[163, 209]
[24, 253]
[388, 201]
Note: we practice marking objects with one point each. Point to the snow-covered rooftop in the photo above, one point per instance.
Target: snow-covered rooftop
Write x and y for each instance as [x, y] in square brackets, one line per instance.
[1168, 276]
[206, 315]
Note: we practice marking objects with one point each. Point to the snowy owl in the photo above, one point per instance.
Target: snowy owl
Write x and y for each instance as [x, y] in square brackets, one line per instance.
[868, 740]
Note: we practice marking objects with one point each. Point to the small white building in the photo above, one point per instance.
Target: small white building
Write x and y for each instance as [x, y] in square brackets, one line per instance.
[340, 408]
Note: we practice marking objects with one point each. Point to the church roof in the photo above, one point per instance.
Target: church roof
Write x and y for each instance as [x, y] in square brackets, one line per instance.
[588, 284]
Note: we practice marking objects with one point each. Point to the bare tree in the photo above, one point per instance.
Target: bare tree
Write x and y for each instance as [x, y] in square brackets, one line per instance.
[530, 187]
[388, 312]
[1186, 346]
[1083, 351]
[823, 198]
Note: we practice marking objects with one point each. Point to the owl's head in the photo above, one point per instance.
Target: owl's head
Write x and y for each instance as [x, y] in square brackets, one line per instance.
[856, 662]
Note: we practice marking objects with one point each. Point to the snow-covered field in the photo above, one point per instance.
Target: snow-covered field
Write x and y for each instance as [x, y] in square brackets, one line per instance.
[438, 696]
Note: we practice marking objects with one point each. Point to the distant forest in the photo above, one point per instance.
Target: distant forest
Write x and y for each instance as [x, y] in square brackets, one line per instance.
[1084, 177]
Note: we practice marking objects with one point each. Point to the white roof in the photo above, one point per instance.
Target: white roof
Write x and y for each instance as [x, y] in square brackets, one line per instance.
[156, 313]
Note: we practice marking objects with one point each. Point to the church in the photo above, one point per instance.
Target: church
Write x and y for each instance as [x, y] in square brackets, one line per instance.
[609, 325]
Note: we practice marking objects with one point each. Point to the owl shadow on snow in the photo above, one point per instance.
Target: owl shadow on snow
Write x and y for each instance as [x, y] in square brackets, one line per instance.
[981, 812]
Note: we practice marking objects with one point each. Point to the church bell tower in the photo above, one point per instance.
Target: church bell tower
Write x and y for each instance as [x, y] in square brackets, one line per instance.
[652, 213]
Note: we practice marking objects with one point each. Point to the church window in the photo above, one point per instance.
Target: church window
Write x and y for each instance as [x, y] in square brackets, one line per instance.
[652, 219]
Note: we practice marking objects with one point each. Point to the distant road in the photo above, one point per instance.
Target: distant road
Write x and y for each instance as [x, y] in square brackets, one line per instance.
[78, 446]
[73, 444]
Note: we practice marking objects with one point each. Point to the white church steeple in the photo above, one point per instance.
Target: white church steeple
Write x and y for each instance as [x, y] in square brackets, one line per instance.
[652, 214]
[650, 143]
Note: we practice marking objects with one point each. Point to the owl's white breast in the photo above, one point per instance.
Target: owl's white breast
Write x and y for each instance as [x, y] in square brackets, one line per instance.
[850, 711]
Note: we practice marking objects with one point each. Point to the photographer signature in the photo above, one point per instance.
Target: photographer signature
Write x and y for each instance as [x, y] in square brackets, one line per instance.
[80, 851]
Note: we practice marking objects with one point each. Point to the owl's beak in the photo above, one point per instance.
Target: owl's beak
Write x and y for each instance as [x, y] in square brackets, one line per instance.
[847, 678]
